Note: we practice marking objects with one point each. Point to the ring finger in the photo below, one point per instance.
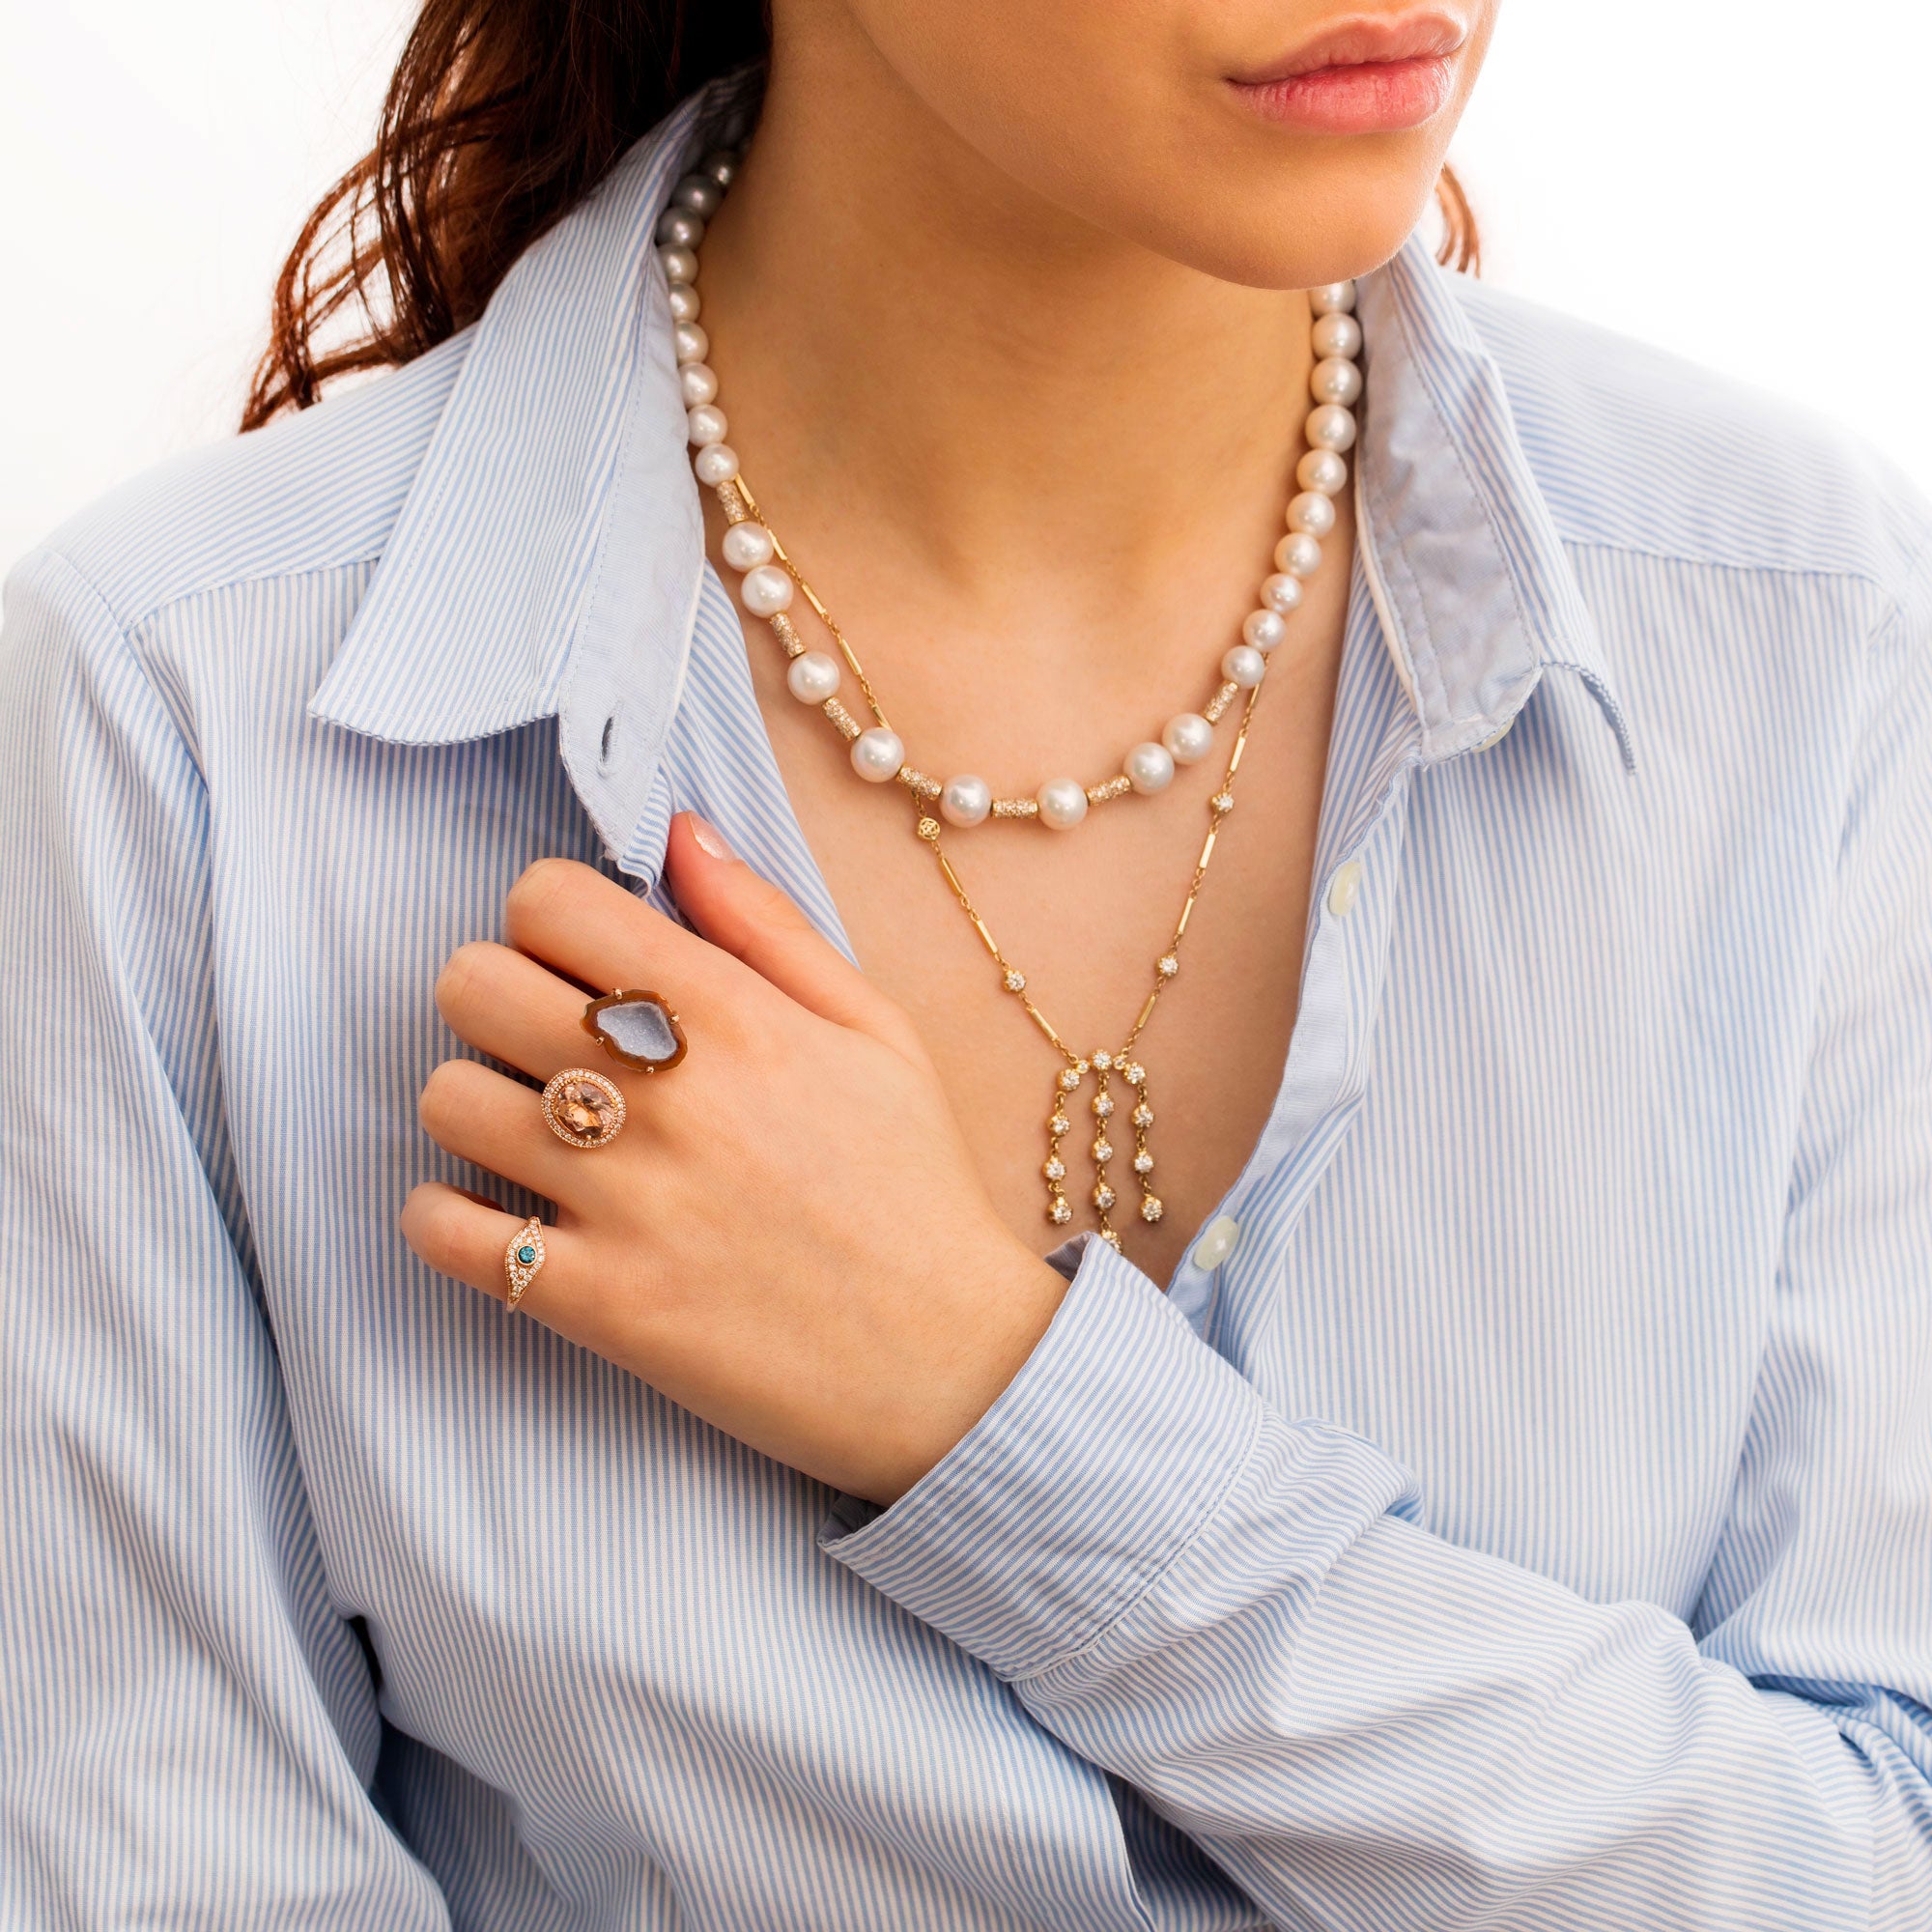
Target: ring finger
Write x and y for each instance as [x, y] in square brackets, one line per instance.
[485, 1116]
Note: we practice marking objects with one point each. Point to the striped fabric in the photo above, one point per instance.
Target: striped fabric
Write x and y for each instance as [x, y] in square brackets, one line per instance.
[1515, 1512]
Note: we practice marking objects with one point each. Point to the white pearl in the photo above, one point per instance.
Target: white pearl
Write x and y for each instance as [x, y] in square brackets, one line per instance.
[748, 545]
[700, 194]
[1244, 666]
[1334, 381]
[878, 754]
[1330, 427]
[1063, 803]
[705, 425]
[683, 302]
[692, 344]
[1149, 767]
[1322, 470]
[966, 799]
[699, 382]
[1264, 630]
[1332, 297]
[679, 228]
[1298, 553]
[1188, 738]
[1336, 333]
[717, 464]
[1313, 512]
[1282, 592]
[812, 677]
[722, 165]
[766, 590]
[679, 265]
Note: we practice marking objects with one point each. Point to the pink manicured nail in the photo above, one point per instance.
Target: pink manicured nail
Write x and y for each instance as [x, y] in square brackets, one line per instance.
[708, 836]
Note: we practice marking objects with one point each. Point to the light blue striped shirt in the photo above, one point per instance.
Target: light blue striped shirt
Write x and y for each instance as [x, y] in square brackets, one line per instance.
[1515, 1512]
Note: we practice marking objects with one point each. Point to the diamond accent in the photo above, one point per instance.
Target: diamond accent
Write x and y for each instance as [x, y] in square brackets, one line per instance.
[1060, 1210]
[1058, 1126]
[1143, 1116]
[1104, 1197]
[1167, 965]
[1143, 1162]
[1104, 1061]
[1055, 1170]
[1150, 1209]
[1069, 1080]
[1015, 983]
[1223, 802]
[1103, 1105]
[1103, 1150]
[1133, 1073]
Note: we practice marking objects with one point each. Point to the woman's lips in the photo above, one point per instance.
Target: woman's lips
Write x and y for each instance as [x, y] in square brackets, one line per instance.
[1370, 75]
[1367, 98]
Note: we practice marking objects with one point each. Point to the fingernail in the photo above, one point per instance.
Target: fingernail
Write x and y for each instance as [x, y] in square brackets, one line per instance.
[709, 838]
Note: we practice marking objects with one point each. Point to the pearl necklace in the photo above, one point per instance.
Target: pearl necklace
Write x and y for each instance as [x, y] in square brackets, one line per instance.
[770, 577]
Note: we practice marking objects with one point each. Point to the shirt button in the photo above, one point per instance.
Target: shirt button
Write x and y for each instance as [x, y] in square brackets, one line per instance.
[1497, 736]
[1343, 889]
[1217, 1243]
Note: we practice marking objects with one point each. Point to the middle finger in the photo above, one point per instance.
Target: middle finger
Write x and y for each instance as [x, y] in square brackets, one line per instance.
[516, 1011]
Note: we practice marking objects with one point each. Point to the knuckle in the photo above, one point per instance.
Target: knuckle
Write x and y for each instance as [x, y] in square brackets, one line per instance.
[441, 1102]
[543, 887]
[461, 974]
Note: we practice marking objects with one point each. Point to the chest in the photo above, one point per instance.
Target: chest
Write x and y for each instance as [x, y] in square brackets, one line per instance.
[1083, 916]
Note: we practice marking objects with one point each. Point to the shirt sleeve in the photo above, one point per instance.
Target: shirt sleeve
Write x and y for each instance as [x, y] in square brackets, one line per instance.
[189, 1726]
[1367, 1726]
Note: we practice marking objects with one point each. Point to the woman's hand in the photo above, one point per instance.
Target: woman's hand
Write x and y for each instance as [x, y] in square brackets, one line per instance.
[788, 1236]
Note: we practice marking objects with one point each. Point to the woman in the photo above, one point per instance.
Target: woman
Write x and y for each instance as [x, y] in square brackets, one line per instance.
[1405, 1403]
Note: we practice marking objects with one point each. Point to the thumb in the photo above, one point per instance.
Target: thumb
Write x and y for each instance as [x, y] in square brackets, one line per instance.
[746, 915]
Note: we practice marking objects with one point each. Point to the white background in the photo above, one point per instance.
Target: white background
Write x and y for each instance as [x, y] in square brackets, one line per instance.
[1742, 182]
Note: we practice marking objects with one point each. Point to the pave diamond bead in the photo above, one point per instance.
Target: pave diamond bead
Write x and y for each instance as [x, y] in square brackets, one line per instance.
[1103, 1105]
[1060, 1210]
[1143, 1116]
[1055, 1170]
[1016, 983]
[1104, 1197]
[1133, 1073]
[1058, 1126]
[1150, 1209]
[1103, 1150]
[1144, 1163]
[1167, 966]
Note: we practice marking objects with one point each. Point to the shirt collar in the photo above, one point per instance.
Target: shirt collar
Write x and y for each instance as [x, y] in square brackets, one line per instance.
[548, 557]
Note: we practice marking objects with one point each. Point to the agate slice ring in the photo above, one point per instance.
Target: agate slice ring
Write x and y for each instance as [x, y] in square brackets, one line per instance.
[637, 1029]
[582, 1109]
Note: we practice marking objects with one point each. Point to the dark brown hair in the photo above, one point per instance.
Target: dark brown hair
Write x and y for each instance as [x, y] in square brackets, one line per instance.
[500, 117]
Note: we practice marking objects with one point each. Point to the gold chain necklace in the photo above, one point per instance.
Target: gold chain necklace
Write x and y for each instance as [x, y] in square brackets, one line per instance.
[739, 505]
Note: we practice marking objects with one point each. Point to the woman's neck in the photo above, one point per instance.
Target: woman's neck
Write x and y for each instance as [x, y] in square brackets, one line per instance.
[1034, 413]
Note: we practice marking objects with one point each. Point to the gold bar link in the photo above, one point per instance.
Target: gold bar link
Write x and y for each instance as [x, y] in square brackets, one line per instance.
[1208, 849]
[744, 490]
[979, 927]
[1147, 1013]
[1234, 757]
[1045, 1025]
[1179, 930]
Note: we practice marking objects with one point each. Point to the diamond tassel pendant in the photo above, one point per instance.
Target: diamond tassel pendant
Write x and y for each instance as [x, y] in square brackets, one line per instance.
[1103, 1107]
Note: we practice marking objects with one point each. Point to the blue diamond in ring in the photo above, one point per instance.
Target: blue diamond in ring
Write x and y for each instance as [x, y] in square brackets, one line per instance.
[637, 1029]
[526, 1255]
